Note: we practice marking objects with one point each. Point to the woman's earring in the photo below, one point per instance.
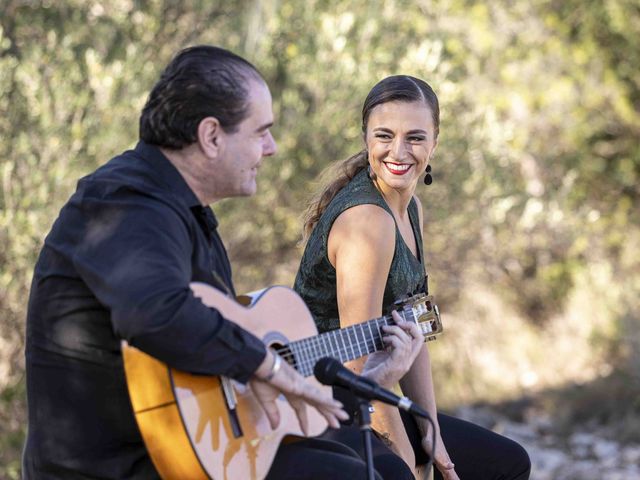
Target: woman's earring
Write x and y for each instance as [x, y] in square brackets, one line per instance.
[428, 179]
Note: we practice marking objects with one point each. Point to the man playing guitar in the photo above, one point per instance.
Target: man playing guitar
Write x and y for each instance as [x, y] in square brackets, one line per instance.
[118, 263]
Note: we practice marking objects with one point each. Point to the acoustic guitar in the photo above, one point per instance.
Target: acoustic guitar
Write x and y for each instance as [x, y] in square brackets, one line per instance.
[199, 427]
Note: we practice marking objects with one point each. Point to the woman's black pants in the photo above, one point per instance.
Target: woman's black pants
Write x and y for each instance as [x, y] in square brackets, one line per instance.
[478, 453]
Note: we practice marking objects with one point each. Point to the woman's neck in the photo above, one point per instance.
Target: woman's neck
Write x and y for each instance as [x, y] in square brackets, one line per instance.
[397, 200]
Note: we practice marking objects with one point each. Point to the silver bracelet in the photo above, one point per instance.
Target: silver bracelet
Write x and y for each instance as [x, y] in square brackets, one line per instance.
[277, 363]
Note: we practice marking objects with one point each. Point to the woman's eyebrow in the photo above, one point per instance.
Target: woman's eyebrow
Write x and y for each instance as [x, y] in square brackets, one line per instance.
[410, 132]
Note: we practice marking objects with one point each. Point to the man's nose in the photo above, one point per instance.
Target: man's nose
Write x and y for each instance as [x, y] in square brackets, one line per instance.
[269, 148]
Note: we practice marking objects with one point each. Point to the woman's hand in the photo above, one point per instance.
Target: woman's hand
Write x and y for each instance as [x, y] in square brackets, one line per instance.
[404, 342]
[442, 461]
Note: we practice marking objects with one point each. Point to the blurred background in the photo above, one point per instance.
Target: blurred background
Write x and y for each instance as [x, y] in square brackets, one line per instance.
[532, 232]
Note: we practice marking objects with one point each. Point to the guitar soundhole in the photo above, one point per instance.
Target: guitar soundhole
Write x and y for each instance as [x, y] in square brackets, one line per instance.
[285, 352]
[288, 350]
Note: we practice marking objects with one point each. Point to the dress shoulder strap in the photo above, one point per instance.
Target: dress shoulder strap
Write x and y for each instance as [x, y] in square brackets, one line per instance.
[359, 191]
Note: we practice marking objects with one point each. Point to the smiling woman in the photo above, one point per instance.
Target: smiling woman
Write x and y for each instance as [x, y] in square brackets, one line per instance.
[364, 252]
[398, 152]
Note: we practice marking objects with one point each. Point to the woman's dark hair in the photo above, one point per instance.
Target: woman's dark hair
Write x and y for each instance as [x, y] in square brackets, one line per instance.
[201, 81]
[397, 88]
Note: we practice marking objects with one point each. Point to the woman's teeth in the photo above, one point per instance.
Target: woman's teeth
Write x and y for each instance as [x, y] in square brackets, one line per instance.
[400, 168]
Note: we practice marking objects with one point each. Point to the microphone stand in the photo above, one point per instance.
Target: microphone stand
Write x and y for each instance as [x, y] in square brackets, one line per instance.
[364, 420]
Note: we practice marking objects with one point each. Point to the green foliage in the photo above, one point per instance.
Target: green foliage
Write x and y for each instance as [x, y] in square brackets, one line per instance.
[13, 417]
[536, 172]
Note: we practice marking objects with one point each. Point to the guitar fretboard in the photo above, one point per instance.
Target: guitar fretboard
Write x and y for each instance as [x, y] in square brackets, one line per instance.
[344, 344]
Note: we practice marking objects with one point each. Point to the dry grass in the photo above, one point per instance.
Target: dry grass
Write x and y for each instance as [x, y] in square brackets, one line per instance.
[489, 352]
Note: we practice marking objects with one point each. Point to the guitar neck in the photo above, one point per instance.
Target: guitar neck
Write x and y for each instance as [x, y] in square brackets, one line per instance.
[343, 344]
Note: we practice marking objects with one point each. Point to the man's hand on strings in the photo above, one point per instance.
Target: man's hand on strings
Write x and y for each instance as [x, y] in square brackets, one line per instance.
[299, 393]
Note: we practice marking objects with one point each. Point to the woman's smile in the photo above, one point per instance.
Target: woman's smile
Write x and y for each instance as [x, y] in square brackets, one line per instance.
[398, 168]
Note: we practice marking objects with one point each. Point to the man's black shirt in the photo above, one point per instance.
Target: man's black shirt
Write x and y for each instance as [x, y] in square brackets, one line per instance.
[117, 265]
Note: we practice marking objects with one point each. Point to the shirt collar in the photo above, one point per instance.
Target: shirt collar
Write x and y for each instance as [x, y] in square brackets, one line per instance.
[168, 173]
[212, 221]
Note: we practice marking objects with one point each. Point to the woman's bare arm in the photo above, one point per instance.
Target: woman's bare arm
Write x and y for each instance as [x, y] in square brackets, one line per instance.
[361, 245]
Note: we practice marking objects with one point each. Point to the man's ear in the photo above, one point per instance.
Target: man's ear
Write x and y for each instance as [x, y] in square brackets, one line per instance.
[210, 136]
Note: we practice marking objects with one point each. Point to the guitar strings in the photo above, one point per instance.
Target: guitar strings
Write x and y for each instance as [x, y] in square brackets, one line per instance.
[305, 363]
[329, 347]
[312, 345]
[313, 348]
[286, 353]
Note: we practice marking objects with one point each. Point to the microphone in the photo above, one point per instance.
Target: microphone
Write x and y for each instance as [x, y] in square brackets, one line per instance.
[330, 371]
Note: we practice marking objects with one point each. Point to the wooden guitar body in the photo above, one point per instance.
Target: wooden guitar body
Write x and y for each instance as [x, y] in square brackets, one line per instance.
[185, 420]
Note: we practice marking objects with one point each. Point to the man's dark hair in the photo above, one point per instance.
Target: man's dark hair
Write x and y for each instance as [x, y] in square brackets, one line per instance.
[201, 81]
